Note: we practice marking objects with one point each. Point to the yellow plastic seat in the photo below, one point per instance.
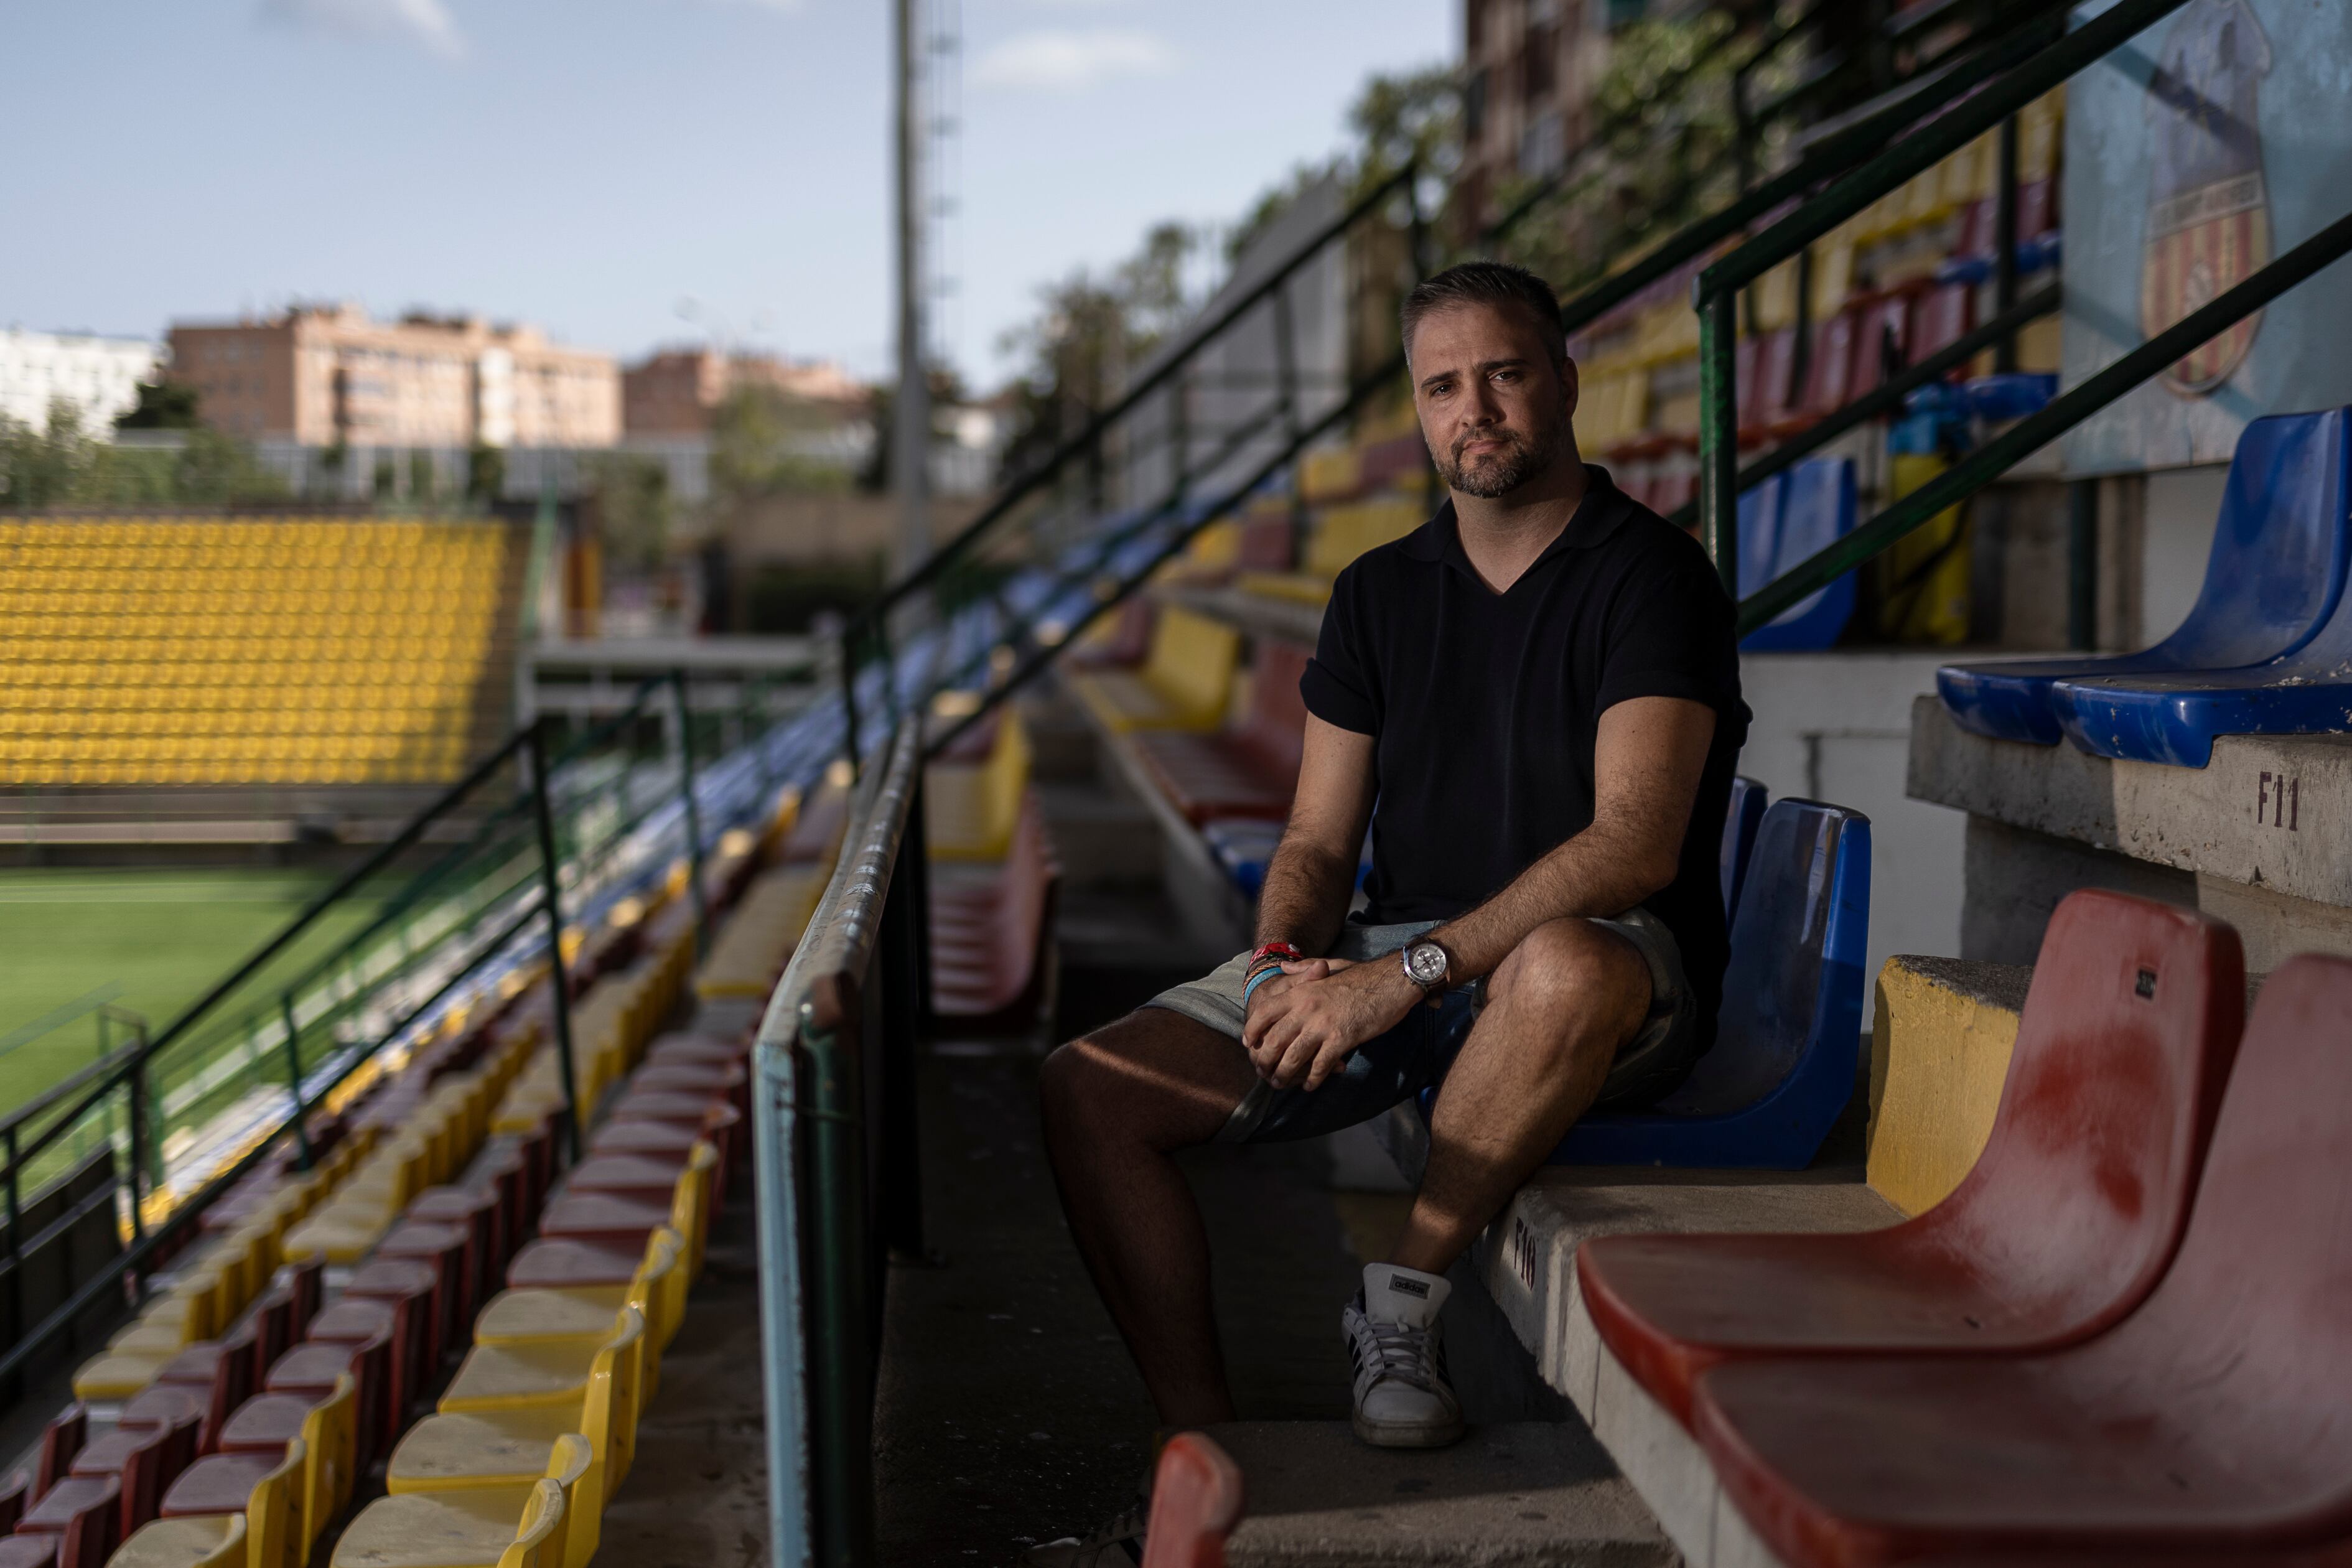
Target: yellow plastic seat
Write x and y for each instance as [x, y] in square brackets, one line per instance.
[213, 1541]
[527, 1373]
[507, 1447]
[1183, 684]
[113, 1376]
[506, 1528]
[331, 1465]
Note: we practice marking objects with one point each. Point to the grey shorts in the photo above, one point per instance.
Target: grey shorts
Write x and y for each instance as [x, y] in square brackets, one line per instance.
[1394, 1067]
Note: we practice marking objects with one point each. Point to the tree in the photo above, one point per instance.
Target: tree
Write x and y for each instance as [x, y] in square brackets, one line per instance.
[632, 509]
[64, 465]
[163, 405]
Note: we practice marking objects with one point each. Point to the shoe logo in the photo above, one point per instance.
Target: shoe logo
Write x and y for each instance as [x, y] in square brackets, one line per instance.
[1404, 1287]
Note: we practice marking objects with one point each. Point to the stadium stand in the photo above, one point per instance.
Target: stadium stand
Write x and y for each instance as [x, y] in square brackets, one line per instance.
[1184, 682]
[196, 650]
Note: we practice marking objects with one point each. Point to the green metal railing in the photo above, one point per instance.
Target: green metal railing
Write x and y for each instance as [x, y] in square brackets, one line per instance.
[547, 838]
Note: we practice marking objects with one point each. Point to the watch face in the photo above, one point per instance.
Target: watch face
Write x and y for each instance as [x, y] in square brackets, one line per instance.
[1426, 962]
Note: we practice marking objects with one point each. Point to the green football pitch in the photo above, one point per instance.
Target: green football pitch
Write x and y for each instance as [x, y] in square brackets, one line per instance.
[163, 937]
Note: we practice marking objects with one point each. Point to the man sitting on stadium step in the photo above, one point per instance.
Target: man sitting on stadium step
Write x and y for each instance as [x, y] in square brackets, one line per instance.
[1540, 690]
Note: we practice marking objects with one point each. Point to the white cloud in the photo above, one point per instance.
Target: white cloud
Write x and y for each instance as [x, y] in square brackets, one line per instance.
[1070, 60]
[426, 23]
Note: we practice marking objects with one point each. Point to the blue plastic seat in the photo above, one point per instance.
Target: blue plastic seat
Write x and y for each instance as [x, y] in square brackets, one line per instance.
[1816, 507]
[1244, 846]
[1739, 823]
[2275, 578]
[1781, 1070]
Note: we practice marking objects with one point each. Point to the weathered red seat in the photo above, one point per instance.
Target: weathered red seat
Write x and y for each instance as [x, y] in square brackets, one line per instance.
[15, 1492]
[450, 1249]
[396, 1280]
[555, 1263]
[1128, 644]
[662, 1105]
[312, 1370]
[218, 1483]
[2208, 1420]
[29, 1551]
[1251, 770]
[651, 1176]
[61, 1443]
[988, 953]
[2063, 1226]
[78, 1520]
[142, 1461]
[698, 1050]
[620, 1218]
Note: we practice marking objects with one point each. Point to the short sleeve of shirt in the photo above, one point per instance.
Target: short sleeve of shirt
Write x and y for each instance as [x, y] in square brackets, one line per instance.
[1338, 685]
[1675, 639]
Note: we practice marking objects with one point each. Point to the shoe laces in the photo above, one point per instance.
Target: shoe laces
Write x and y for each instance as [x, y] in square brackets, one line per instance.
[1400, 1351]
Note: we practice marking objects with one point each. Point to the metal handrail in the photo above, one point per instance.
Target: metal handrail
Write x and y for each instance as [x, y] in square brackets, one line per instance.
[1714, 295]
[810, 1122]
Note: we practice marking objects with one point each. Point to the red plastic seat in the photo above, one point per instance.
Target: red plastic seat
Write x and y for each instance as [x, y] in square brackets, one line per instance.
[142, 1461]
[398, 1279]
[2064, 1225]
[662, 1105]
[198, 1365]
[554, 1264]
[218, 1483]
[1250, 771]
[1196, 1502]
[725, 1082]
[698, 1050]
[312, 1370]
[83, 1515]
[621, 1219]
[479, 1214]
[650, 1176]
[61, 1443]
[2209, 1420]
[1128, 645]
[15, 1492]
[450, 1249]
[988, 965]
[29, 1551]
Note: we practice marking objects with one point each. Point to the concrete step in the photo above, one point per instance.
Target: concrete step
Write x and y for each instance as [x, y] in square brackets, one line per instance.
[2256, 838]
[1520, 1494]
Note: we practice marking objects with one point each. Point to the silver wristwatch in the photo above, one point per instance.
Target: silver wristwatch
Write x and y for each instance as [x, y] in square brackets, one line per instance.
[1426, 965]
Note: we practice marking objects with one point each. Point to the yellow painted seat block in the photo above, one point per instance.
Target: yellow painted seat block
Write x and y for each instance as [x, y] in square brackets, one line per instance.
[1940, 1050]
[210, 1541]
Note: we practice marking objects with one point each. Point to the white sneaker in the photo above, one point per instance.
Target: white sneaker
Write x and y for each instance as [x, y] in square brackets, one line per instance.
[1117, 1544]
[1403, 1398]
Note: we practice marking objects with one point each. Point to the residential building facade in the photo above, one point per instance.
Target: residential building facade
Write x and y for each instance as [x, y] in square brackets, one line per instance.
[330, 376]
[97, 377]
[676, 392]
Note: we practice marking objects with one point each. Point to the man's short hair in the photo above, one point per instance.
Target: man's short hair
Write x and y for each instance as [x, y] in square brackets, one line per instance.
[1486, 283]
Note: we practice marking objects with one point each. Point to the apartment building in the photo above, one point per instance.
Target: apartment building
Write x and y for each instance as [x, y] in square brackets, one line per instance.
[675, 392]
[329, 375]
[97, 377]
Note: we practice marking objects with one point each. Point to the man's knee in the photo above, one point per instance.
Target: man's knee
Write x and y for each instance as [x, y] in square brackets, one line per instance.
[1575, 969]
[1072, 1075]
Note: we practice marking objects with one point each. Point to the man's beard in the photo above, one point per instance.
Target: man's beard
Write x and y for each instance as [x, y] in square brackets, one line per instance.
[1496, 474]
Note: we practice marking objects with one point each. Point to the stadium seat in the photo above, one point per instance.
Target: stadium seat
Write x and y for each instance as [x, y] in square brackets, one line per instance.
[988, 940]
[2204, 1421]
[1183, 685]
[1196, 1502]
[1816, 509]
[143, 1460]
[1250, 770]
[1745, 815]
[489, 1527]
[969, 809]
[2273, 582]
[2064, 1223]
[269, 1499]
[1781, 1069]
[75, 1524]
[215, 1542]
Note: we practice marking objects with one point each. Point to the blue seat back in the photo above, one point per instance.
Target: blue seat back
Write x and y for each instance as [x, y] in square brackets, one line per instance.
[2279, 547]
[1740, 822]
[1798, 939]
[1816, 510]
[1759, 532]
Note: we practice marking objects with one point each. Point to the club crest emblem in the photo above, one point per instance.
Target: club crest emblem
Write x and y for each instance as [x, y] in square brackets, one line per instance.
[2209, 219]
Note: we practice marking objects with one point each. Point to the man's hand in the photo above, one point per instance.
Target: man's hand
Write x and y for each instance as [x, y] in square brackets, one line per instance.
[1305, 1023]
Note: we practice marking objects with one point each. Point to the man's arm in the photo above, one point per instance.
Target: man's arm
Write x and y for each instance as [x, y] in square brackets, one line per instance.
[1648, 754]
[1312, 876]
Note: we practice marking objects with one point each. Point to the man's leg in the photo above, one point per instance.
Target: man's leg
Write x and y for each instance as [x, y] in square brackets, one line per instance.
[1557, 1010]
[1117, 1104]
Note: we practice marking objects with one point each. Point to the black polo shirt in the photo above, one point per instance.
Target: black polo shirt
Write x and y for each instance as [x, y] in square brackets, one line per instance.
[1483, 706]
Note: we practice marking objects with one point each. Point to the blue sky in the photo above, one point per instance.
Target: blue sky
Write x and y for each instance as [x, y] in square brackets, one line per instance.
[592, 166]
